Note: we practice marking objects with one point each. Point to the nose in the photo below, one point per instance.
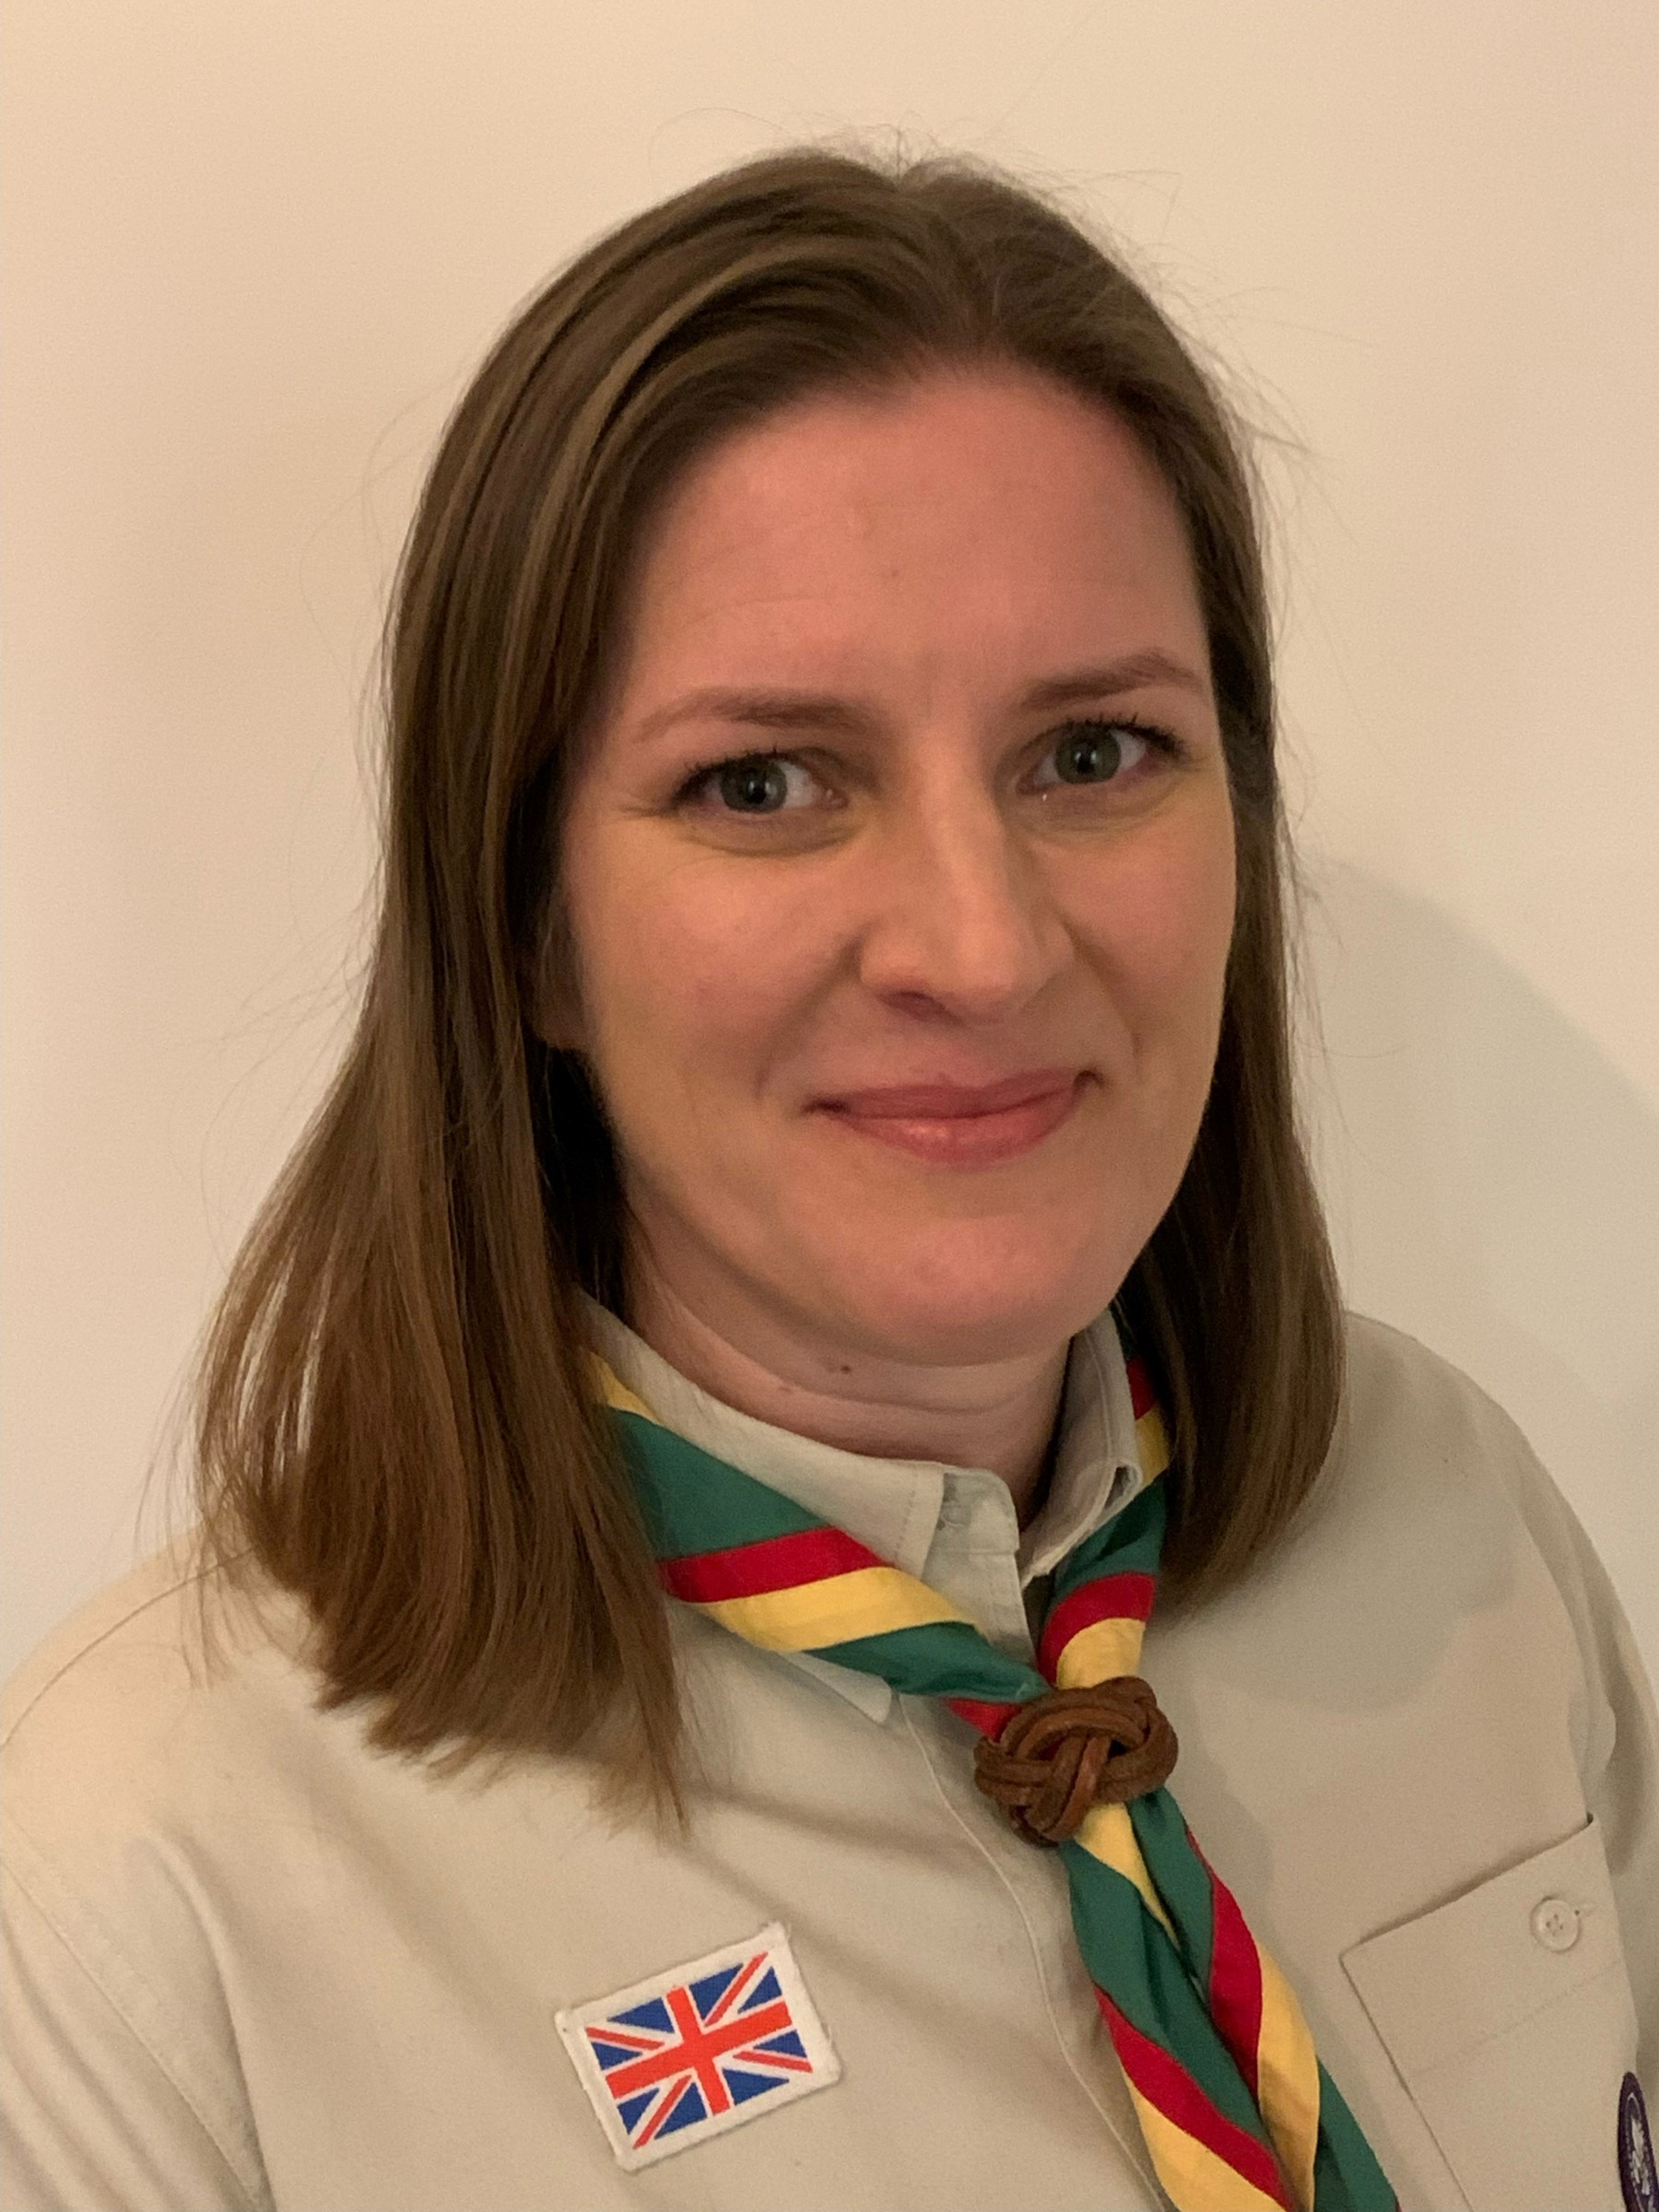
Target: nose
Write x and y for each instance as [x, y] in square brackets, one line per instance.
[960, 913]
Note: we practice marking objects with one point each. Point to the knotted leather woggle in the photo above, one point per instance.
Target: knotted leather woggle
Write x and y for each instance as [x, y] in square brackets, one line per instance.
[1073, 1749]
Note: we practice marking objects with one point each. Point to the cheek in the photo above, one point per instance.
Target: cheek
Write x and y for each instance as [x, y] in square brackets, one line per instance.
[709, 961]
[1159, 920]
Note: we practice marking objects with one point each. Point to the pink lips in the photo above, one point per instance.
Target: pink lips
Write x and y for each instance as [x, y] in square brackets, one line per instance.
[939, 1100]
[960, 1124]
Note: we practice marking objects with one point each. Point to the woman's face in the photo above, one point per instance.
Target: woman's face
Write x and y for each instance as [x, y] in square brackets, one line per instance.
[974, 832]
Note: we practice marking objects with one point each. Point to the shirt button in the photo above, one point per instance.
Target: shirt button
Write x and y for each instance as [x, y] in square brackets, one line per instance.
[1555, 1922]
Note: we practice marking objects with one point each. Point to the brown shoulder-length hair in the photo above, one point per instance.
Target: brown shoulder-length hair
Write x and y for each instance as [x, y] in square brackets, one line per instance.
[392, 1420]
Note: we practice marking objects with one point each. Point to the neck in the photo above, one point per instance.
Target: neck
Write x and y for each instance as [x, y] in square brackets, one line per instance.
[1002, 1416]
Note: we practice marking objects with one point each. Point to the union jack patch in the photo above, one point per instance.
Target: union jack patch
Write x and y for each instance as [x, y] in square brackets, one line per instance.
[700, 2049]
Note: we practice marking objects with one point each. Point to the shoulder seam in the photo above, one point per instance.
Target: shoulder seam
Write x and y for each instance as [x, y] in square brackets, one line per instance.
[184, 1578]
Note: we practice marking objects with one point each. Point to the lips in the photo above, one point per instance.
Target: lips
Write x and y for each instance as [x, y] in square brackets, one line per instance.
[955, 1125]
[948, 1101]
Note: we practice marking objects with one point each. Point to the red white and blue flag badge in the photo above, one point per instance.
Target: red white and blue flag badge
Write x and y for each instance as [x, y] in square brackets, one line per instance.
[700, 2049]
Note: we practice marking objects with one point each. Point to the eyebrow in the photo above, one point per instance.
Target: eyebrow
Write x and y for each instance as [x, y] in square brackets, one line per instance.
[780, 709]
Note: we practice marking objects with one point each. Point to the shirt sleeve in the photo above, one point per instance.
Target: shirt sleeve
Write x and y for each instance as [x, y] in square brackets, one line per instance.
[1619, 1738]
[91, 2118]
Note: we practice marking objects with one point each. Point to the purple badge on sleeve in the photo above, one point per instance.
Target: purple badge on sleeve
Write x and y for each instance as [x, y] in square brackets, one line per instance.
[1638, 2176]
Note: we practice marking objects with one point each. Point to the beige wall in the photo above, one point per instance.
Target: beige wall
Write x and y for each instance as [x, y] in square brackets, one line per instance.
[252, 250]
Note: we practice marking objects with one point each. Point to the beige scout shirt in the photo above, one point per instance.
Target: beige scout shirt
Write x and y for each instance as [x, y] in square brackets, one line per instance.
[253, 1964]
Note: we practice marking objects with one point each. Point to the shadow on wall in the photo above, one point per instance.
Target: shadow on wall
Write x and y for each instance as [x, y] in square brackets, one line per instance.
[1493, 1188]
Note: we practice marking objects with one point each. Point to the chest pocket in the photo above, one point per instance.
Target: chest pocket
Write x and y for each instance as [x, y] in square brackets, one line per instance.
[1509, 2015]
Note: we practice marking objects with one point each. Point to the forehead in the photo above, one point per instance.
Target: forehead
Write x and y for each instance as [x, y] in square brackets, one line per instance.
[974, 508]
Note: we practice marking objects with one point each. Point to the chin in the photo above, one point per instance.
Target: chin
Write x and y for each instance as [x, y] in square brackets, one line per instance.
[964, 1300]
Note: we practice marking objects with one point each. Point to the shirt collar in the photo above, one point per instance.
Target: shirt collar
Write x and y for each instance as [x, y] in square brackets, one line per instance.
[905, 1509]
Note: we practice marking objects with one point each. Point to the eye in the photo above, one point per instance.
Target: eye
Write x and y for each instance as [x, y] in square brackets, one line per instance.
[751, 783]
[1100, 752]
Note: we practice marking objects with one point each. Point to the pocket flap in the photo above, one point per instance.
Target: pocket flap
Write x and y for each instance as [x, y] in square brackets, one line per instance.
[1508, 2013]
[1479, 1965]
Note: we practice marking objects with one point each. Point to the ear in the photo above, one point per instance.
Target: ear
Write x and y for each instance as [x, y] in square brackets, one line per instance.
[548, 993]
[550, 1010]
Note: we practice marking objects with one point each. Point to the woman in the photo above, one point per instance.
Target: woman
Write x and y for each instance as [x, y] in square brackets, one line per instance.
[810, 1235]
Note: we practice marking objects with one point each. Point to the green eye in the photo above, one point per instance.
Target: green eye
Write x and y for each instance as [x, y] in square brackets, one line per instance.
[757, 786]
[1092, 754]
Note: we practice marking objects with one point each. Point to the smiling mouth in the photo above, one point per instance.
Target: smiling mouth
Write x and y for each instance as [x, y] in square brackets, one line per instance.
[966, 1139]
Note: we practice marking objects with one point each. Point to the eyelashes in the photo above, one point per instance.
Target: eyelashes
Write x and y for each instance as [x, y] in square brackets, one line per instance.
[1144, 738]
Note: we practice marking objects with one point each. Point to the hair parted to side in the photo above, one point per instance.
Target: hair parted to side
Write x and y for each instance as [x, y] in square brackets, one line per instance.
[392, 1417]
